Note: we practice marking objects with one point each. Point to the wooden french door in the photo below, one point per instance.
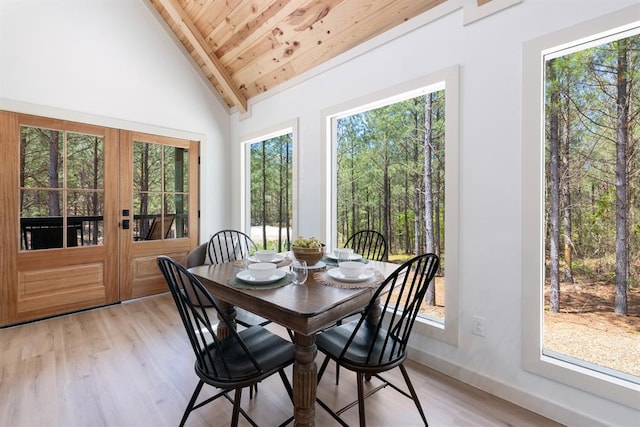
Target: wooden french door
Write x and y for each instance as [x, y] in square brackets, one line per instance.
[158, 207]
[65, 189]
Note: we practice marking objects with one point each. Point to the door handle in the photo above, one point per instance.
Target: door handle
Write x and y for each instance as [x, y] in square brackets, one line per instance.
[125, 224]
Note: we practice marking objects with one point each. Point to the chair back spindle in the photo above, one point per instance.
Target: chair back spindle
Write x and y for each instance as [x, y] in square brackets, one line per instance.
[369, 243]
[229, 245]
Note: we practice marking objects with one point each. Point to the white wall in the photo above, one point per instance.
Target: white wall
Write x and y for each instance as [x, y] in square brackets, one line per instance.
[112, 62]
[489, 52]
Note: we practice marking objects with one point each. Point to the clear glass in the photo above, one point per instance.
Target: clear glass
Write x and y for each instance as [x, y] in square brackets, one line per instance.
[176, 169]
[299, 271]
[85, 161]
[61, 186]
[160, 184]
[270, 164]
[85, 214]
[41, 157]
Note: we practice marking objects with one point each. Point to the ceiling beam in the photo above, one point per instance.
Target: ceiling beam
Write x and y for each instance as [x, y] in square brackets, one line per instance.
[211, 61]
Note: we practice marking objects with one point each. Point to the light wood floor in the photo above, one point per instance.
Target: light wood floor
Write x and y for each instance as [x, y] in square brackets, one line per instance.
[131, 365]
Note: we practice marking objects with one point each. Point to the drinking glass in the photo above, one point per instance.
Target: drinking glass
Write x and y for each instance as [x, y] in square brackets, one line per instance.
[344, 254]
[299, 271]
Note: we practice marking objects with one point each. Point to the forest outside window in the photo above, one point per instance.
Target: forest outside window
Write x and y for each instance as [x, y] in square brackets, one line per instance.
[270, 188]
[395, 161]
[61, 188]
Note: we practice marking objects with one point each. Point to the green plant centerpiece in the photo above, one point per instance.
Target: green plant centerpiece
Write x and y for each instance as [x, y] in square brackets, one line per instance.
[310, 250]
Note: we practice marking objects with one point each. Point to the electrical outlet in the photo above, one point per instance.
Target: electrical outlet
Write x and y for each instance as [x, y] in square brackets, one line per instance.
[478, 327]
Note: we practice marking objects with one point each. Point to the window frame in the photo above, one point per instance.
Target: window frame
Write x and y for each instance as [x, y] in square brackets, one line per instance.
[291, 127]
[532, 205]
[448, 78]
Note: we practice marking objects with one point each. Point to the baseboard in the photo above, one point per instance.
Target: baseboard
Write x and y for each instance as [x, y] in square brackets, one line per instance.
[505, 391]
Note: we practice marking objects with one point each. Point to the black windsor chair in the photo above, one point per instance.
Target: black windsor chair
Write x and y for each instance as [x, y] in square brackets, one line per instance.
[377, 342]
[240, 360]
[225, 246]
[369, 243]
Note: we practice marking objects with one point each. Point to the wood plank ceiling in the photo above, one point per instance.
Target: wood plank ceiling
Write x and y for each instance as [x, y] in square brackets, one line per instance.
[246, 47]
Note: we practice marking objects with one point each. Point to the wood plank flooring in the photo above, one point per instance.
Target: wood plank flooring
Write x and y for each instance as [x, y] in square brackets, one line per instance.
[131, 365]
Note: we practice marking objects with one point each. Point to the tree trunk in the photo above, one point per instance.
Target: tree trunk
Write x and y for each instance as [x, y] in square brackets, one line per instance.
[54, 166]
[554, 193]
[622, 207]
[566, 196]
[264, 195]
[430, 297]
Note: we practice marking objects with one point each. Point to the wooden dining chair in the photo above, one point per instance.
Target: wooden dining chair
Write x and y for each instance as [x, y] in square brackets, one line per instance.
[377, 341]
[369, 243]
[240, 360]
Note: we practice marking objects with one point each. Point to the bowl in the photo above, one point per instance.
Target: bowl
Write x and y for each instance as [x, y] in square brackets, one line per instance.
[262, 270]
[310, 255]
[351, 269]
[265, 255]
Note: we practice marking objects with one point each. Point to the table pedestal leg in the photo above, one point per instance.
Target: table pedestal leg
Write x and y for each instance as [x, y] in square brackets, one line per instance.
[230, 311]
[305, 380]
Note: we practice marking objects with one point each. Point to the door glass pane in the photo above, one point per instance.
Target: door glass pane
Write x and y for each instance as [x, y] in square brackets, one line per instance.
[85, 164]
[176, 169]
[84, 213]
[40, 157]
[61, 187]
[147, 167]
[160, 184]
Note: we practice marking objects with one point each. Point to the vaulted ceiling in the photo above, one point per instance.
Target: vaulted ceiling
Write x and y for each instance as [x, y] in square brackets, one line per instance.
[246, 47]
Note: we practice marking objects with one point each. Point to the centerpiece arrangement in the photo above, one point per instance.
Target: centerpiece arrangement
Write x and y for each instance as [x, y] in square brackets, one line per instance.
[310, 250]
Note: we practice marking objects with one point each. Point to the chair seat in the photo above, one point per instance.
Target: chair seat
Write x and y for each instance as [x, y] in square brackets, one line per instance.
[270, 351]
[361, 354]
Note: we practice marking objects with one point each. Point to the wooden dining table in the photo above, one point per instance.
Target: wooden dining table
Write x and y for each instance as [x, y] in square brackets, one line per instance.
[304, 309]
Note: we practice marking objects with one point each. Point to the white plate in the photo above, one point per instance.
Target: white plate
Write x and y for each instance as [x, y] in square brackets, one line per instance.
[353, 257]
[275, 260]
[245, 276]
[336, 274]
[317, 266]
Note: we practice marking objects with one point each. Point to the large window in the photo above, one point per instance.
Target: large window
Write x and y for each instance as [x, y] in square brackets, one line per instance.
[270, 185]
[394, 172]
[580, 203]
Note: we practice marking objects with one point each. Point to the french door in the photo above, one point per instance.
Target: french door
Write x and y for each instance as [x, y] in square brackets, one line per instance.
[158, 207]
[83, 217]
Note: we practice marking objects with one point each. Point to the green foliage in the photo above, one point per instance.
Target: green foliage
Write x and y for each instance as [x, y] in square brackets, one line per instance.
[381, 170]
[586, 82]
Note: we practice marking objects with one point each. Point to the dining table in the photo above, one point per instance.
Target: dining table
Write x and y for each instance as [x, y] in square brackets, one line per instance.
[304, 309]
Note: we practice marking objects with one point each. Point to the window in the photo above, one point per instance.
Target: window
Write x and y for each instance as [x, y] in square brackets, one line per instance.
[394, 165]
[579, 112]
[270, 184]
[61, 188]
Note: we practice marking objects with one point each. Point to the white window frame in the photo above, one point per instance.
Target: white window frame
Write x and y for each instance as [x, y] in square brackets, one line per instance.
[245, 170]
[532, 251]
[447, 79]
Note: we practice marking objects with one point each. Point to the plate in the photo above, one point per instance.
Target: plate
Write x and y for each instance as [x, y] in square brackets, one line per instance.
[275, 260]
[245, 276]
[353, 257]
[366, 275]
[317, 266]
